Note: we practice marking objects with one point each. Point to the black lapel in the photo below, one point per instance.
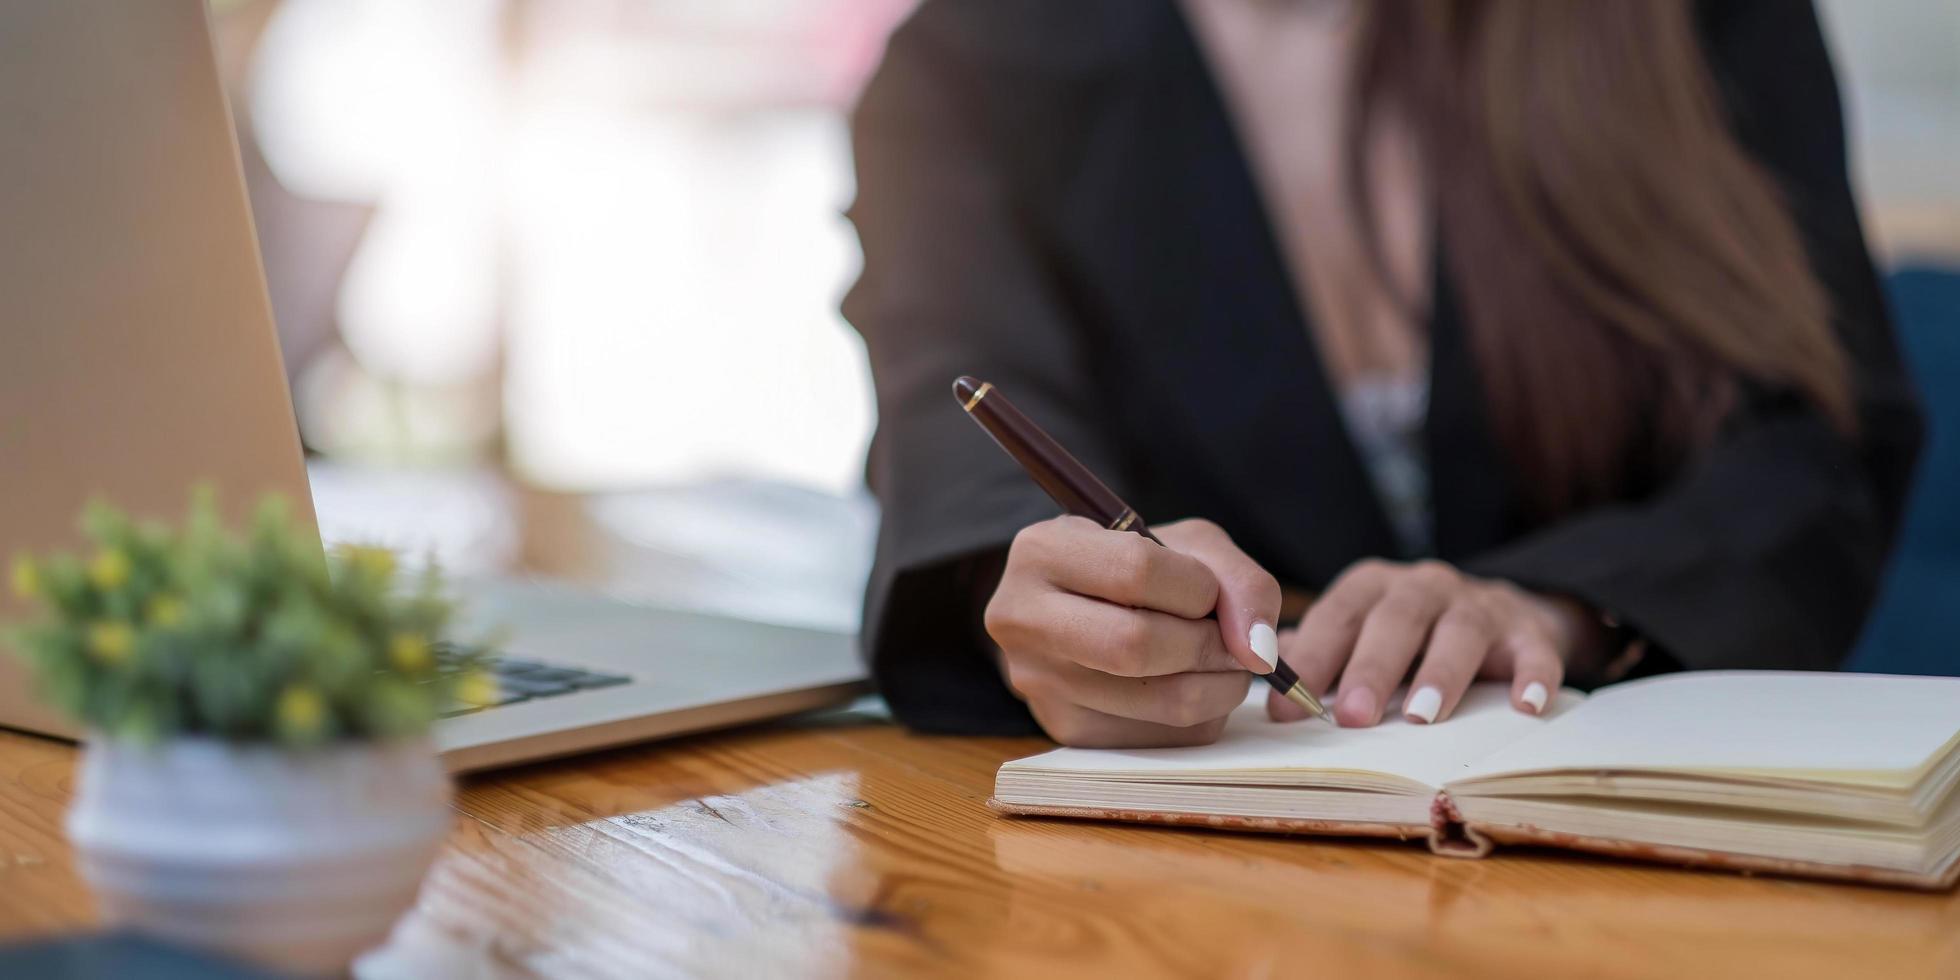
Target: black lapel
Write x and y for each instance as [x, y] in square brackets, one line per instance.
[1470, 490]
[1206, 346]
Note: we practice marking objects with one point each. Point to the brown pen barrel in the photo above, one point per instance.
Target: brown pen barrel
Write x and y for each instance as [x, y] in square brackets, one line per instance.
[1079, 491]
[1065, 479]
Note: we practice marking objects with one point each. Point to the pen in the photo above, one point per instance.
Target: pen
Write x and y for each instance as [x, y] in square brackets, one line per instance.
[1079, 492]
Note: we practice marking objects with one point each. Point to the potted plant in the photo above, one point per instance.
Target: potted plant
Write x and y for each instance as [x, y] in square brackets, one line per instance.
[258, 778]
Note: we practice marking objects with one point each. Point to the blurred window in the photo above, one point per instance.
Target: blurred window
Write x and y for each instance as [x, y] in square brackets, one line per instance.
[620, 219]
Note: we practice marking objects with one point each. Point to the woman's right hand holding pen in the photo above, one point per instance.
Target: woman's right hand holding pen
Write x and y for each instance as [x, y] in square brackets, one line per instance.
[1105, 634]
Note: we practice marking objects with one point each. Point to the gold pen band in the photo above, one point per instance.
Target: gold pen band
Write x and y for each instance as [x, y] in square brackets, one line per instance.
[1123, 520]
[1298, 695]
[985, 386]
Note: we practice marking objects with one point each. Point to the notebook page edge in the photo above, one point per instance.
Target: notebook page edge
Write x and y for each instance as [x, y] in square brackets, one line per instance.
[1496, 768]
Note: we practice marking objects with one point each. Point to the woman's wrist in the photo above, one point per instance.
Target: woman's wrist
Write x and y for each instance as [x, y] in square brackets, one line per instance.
[1596, 647]
[1579, 633]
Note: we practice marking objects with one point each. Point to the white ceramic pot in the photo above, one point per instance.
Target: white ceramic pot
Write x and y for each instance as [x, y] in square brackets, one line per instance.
[296, 860]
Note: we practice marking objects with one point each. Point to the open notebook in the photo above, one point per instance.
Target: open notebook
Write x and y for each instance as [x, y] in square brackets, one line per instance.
[1830, 775]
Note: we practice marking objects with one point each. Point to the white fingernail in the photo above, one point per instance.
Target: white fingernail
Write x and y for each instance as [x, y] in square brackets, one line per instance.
[1424, 704]
[1265, 643]
[1535, 695]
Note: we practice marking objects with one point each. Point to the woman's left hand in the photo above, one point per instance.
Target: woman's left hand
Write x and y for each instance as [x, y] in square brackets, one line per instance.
[1379, 617]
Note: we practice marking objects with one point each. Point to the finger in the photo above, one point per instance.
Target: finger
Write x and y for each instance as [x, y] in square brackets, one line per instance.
[1120, 567]
[1248, 596]
[1394, 632]
[1118, 640]
[1293, 650]
[1458, 645]
[1537, 671]
[1072, 724]
[1326, 636]
[1175, 701]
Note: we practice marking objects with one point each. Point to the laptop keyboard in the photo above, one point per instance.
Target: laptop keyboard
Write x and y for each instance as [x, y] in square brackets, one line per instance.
[521, 680]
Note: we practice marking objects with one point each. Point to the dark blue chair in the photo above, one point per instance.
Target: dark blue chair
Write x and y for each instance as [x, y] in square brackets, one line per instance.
[1915, 627]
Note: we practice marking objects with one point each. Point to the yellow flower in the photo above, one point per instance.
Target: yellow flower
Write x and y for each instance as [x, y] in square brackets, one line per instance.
[301, 711]
[410, 653]
[27, 578]
[375, 562]
[164, 611]
[478, 688]
[111, 642]
[109, 570]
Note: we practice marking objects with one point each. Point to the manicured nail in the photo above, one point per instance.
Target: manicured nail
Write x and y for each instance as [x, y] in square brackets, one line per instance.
[1265, 643]
[1424, 704]
[1534, 695]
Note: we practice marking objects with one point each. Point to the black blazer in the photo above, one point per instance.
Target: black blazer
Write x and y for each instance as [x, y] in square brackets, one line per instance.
[1052, 197]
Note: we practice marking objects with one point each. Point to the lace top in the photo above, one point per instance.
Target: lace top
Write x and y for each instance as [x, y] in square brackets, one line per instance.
[1385, 414]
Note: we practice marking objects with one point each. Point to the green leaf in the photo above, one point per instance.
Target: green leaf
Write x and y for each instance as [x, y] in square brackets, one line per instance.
[213, 631]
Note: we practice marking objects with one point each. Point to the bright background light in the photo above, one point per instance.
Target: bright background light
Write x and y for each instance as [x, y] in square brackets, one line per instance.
[623, 220]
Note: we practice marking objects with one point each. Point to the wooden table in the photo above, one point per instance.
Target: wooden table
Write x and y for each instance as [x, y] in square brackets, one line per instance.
[843, 845]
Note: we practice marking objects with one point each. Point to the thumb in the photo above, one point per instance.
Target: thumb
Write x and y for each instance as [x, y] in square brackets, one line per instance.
[1248, 596]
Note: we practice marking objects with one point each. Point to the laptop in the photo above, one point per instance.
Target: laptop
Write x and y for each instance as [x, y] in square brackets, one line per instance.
[138, 360]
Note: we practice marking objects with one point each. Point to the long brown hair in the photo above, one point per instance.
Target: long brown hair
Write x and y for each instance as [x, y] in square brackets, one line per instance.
[1624, 265]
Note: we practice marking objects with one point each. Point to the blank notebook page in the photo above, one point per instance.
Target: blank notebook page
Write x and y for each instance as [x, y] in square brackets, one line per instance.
[1427, 754]
[1852, 728]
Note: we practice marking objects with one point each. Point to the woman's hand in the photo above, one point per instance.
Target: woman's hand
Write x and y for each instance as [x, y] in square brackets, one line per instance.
[1380, 617]
[1103, 633]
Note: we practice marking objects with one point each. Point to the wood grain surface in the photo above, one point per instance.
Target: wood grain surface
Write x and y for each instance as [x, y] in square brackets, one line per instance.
[845, 846]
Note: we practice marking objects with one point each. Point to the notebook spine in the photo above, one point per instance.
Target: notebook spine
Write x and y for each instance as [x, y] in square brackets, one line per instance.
[1449, 835]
